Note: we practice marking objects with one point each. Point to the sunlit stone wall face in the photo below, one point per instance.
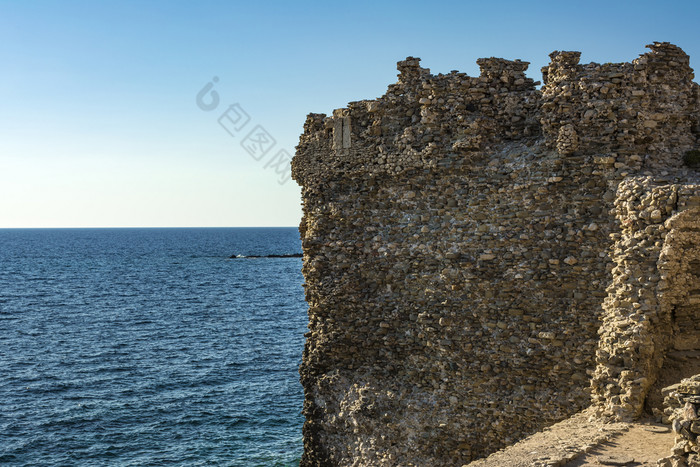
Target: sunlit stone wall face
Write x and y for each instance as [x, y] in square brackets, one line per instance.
[457, 239]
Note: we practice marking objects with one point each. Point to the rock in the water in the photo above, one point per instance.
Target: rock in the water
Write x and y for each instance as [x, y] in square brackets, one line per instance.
[292, 255]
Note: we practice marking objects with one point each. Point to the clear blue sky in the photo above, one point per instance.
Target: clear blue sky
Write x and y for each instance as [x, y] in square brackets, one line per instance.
[99, 125]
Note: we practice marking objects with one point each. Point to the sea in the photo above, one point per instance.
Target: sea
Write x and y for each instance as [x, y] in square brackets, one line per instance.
[150, 347]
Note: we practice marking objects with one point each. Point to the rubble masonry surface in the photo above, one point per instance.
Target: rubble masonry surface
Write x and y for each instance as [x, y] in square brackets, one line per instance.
[484, 258]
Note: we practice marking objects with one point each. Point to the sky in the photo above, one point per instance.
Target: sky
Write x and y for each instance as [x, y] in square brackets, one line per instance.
[101, 124]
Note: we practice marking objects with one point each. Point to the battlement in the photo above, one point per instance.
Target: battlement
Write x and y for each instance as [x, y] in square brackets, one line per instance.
[639, 115]
[484, 258]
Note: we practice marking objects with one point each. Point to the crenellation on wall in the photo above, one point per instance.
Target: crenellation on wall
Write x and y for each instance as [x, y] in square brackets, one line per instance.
[563, 66]
[628, 112]
[465, 238]
[422, 116]
[641, 113]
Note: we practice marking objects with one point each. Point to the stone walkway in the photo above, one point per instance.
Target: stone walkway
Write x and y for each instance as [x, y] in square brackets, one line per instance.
[641, 445]
[584, 441]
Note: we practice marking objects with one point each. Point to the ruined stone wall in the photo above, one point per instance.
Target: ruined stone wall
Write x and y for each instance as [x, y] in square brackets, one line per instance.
[681, 408]
[650, 335]
[456, 239]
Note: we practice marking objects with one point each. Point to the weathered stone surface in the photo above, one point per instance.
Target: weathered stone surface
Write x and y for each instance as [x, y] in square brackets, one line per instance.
[465, 238]
[682, 405]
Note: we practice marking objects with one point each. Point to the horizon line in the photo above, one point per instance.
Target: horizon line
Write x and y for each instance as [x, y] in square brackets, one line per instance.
[159, 227]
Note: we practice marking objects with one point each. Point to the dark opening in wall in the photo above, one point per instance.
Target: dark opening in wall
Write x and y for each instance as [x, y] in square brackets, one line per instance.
[692, 159]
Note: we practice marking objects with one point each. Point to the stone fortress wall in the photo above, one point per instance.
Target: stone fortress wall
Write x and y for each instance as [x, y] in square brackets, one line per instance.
[484, 258]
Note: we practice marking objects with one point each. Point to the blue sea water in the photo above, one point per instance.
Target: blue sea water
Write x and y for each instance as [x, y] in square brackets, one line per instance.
[150, 347]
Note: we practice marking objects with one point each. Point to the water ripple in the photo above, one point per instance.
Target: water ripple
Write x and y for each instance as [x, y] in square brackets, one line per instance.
[148, 347]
